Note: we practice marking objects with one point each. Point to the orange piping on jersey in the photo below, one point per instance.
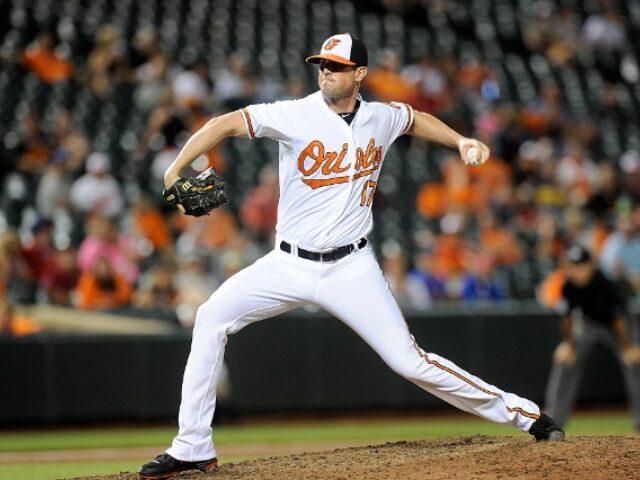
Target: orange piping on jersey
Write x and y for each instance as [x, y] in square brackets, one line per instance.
[324, 182]
[249, 124]
[424, 355]
[409, 118]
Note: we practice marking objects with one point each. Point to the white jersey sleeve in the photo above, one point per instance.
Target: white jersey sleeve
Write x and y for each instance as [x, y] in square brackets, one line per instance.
[400, 118]
[270, 120]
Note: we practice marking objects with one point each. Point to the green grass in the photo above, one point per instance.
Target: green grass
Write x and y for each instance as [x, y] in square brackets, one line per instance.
[58, 470]
[327, 431]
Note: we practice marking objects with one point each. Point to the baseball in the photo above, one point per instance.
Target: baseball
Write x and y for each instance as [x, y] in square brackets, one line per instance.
[472, 156]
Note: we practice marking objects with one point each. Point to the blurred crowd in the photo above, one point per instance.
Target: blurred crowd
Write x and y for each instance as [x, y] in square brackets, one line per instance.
[77, 230]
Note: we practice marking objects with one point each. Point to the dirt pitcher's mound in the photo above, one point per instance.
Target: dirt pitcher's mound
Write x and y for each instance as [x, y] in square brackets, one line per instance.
[477, 457]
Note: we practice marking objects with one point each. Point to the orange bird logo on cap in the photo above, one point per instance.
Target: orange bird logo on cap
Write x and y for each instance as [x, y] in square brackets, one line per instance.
[332, 42]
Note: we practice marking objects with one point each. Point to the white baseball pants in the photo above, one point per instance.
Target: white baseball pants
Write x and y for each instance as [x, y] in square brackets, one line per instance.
[279, 282]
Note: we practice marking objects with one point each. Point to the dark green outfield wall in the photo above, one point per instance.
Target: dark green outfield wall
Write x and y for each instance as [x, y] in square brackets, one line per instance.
[293, 362]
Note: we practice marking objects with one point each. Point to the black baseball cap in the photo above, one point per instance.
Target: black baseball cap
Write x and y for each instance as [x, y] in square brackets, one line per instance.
[578, 254]
[342, 48]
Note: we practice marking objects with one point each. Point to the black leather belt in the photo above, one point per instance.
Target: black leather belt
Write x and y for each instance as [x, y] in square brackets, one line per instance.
[335, 254]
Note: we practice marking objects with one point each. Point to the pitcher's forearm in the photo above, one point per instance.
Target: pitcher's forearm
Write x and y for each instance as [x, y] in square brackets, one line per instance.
[428, 127]
[216, 129]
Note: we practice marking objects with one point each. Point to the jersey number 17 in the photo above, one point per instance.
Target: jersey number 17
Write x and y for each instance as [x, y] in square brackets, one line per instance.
[367, 199]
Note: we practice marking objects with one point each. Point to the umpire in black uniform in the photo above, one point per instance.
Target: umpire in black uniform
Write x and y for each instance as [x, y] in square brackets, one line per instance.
[594, 313]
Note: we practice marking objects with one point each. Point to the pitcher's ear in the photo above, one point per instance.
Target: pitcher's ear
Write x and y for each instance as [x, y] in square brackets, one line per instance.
[361, 72]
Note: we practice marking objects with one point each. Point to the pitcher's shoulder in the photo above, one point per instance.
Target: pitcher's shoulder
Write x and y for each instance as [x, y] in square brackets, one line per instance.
[387, 106]
[295, 104]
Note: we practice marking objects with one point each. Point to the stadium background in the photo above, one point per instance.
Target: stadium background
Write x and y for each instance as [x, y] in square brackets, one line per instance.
[97, 97]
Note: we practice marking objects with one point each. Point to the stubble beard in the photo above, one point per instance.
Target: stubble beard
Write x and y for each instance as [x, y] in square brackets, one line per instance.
[336, 92]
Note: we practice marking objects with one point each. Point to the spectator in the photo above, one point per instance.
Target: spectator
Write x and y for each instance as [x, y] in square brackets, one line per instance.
[549, 292]
[498, 242]
[549, 243]
[97, 191]
[106, 61]
[190, 87]
[233, 84]
[423, 271]
[149, 224]
[68, 139]
[33, 147]
[156, 289]
[259, 212]
[607, 191]
[47, 63]
[449, 247]
[386, 82]
[408, 290]
[101, 288]
[577, 174]
[40, 252]
[19, 284]
[574, 226]
[620, 256]
[604, 31]
[630, 168]
[212, 232]
[294, 88]
[195, 119]
[60, 280]
[564, 35]
[479, 283]
[15, 197]
[104, 241]
[547, 114]
[429, 82]
[457, 191]
[52, 193]
[145, 46]
[194, 285]
[238, 251]
[13, 325]
[152, 88]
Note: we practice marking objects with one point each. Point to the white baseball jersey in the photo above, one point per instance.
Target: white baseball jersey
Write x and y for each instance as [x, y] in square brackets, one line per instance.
[328, 169]
[328, 174]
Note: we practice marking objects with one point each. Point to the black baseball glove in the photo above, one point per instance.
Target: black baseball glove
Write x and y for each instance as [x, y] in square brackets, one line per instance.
[198, 195]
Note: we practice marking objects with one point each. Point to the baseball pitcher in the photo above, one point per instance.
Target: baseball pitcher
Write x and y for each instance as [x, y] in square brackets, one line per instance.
[332, 144]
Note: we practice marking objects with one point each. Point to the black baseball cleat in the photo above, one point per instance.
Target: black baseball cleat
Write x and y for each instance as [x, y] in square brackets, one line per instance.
[165, 466]
[544, 429]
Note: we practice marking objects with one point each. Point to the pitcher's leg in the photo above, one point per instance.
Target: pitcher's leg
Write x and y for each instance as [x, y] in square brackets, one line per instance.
[358, 294]
[253, 294]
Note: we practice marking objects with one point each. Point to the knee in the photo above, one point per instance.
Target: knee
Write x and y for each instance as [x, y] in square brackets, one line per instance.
[406, 369]
[211, 318]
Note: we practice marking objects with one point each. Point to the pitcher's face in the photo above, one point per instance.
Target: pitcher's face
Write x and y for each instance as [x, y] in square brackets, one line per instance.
[337, 80]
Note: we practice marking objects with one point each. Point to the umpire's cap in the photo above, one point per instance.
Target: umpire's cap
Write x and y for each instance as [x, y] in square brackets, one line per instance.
[578, 254]
[343, 48]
